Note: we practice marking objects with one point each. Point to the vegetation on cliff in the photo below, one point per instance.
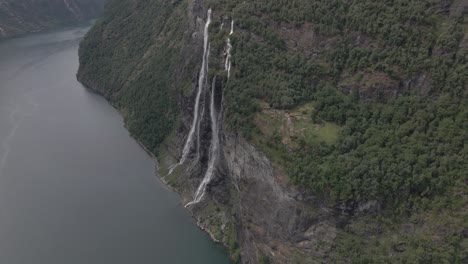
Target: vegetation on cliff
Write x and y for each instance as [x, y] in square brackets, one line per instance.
[133, 57]
[360, 102]
[392, 74]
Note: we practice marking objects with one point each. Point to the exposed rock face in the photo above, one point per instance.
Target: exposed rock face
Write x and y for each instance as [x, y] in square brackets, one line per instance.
[249, 206]
[247, 196]
[270, 218]
[22, 16]
[274, 220]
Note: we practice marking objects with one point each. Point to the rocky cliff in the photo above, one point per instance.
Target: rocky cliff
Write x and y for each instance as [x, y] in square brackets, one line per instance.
[228, 95]
[22, 16]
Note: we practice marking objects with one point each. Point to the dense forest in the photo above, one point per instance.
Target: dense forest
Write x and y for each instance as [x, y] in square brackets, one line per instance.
[397, 146]
[120, 70]
[391, 74]
[376, 91]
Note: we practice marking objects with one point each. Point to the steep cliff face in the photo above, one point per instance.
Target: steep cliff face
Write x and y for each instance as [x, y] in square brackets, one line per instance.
[259, 113]
[22, 16]
[275, 221]
[247, 206]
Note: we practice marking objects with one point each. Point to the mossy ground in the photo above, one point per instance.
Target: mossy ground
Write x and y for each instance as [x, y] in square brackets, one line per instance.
[280, 131]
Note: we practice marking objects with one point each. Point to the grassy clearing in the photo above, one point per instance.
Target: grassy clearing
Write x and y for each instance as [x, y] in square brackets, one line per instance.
[287, 126]
[325, 132]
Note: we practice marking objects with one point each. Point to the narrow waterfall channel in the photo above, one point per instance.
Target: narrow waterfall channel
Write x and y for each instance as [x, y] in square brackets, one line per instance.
[214, 115]
[203, 105]
[214, 148]
[196, 111]
[227, 64]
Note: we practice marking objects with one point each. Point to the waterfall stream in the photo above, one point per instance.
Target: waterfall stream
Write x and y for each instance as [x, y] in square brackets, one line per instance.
[196, 110]
[214, 148]
[227, 64]
[214, 115]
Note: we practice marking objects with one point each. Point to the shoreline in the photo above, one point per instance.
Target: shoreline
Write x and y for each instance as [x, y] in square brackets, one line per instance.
[156, 172]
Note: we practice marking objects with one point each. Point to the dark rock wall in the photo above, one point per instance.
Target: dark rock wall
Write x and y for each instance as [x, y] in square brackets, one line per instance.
[250, 207]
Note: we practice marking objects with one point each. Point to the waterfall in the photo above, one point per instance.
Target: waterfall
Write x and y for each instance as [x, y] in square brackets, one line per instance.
[214, 148]
[196, 110]
[214, 151]
[200, 121]
[227, 64]
[232, 27]
[2, 32]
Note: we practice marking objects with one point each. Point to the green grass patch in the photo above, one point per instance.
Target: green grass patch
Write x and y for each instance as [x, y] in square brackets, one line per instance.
[326, 132]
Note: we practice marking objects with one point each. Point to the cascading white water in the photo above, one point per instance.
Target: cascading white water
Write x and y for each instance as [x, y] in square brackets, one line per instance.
[214, 148]
[232, 27]
[200, 121]
[202, 114]
[196, 110]
[227, 64]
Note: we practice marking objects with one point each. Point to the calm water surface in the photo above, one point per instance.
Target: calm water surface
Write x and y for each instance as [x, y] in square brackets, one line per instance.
[74, 186]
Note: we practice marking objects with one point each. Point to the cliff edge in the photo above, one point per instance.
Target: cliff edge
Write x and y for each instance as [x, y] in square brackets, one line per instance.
[299, 132]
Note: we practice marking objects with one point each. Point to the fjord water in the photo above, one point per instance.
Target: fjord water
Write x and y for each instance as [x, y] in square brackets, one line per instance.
[74, 186]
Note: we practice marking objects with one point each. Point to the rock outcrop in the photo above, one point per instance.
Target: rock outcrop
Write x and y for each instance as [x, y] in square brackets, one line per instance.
[145, 58]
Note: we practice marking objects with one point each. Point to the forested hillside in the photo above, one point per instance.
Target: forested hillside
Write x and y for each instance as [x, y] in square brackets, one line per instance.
[361, 104]
[22, 16]
[391, 76]
[126, 59]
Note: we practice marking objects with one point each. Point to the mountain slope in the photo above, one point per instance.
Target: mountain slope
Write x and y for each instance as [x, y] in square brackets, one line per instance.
[325, 131]
[21, 16]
